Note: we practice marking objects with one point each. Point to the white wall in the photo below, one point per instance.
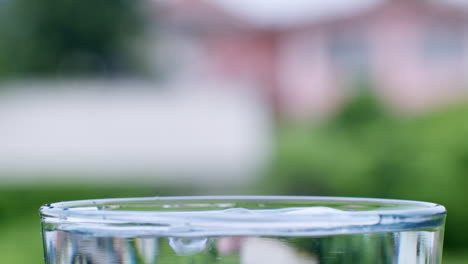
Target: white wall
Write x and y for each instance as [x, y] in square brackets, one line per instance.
[200, 135]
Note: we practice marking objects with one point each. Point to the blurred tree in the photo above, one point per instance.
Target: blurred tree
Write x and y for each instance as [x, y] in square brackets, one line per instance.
[69, 37]
[362, 109]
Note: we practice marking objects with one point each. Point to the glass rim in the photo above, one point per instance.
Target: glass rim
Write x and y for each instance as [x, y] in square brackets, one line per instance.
[220, 215]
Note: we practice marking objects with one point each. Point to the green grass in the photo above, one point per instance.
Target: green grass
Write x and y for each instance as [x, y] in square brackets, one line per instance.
[455, 257]
[21, 242]
[20, 229]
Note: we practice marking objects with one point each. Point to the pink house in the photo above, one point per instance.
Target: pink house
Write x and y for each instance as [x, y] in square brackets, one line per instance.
[414, 52]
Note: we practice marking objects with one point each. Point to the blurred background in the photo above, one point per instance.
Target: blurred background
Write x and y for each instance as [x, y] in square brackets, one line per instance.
[196, 97]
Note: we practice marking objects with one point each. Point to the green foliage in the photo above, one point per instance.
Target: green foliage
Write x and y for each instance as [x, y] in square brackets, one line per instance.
[47, 37]
[361, 111]
[365, 152]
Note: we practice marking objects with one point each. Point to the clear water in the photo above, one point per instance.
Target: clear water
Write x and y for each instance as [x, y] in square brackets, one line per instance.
[78, 243]
[414, 247]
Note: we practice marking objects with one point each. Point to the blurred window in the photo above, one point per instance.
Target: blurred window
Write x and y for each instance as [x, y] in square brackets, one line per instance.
[349, 51]
[443, 43]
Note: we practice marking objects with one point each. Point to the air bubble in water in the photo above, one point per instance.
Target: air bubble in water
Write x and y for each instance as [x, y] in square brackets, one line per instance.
[188, 246]
[147, 248]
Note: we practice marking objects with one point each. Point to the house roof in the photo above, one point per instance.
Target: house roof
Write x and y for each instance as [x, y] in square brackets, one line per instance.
[275, 14]
[281, 13]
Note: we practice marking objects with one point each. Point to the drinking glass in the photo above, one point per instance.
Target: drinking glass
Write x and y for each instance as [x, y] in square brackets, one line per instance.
[243, 230]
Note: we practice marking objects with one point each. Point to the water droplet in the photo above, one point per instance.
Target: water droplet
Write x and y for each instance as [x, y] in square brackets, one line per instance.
[312, 211]
[187, 246]
[237, 211]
